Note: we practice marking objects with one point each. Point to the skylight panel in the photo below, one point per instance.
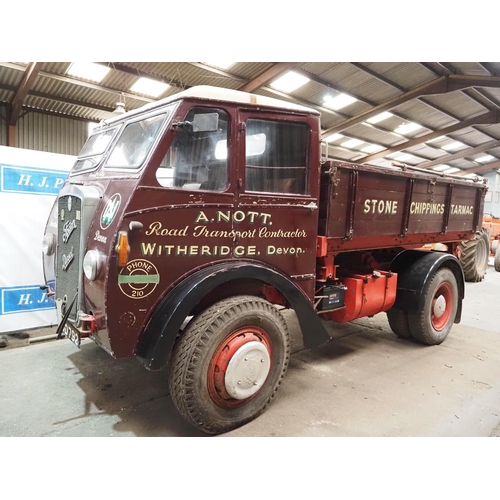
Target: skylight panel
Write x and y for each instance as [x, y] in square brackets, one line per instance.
[453, 146]
[220, 64]
[339, 102]
[440, 168]
[333, 137]
[379, 117]
[452, 170]
[405, 157]
[88, 71]
[351, 143]
[406, 128]
[150, 87]
[440, 138]
[484, 159]
[372, 148]
[289, 82]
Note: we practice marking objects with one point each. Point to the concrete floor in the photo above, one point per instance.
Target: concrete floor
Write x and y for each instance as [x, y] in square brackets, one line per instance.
[364, 382]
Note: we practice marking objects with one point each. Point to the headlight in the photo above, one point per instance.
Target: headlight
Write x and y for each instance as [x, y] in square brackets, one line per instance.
[49, 244]
[92, 264]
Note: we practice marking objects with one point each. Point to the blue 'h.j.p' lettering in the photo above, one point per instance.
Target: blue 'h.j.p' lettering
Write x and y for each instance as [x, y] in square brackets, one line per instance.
[31, 180]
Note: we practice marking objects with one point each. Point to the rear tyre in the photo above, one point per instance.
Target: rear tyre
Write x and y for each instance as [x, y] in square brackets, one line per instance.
[228, 364]
[474, 256]
[398, 321]
[433, 322]
[496, 261]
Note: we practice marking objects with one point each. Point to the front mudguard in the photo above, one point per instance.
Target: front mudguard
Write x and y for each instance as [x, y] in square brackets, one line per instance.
[157, 341]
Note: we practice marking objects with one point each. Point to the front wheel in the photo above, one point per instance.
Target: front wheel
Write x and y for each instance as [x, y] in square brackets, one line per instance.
[432, 323]
[228, 363]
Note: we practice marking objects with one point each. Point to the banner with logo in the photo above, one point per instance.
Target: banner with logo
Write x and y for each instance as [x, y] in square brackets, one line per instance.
[29, 183]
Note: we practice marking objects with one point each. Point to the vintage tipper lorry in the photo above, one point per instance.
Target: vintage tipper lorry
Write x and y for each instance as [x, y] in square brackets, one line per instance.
[186, 226]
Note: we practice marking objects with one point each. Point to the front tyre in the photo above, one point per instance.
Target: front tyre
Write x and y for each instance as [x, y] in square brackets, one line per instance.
[228, 363]
[432, 323]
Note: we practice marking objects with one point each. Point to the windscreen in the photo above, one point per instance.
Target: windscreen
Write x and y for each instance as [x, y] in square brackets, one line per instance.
[94, 148]
[135, 142]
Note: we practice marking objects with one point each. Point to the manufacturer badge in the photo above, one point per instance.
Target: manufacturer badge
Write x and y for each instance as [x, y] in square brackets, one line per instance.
[109, 211]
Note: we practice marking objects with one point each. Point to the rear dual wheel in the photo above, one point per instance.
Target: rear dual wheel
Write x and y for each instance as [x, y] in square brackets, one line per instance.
[228, 363]
[398, 321]
[432, 323]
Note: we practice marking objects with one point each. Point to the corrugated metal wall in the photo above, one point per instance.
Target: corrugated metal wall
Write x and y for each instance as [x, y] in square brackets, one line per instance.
[49, 133]
[3, 126]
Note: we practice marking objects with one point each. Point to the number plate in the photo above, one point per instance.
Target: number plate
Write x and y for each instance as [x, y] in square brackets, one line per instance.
[72, 334]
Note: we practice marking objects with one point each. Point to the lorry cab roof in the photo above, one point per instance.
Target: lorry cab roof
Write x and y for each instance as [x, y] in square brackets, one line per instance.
[209, 93]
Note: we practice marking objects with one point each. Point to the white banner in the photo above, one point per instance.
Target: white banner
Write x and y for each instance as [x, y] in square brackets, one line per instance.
[29, 183]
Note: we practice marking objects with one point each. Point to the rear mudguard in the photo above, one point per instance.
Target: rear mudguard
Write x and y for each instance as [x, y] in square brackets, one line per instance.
[415, 268]
[157, 341]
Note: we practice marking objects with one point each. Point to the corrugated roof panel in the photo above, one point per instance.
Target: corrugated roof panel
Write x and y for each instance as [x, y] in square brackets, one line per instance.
[470, 68]
[424, 114]
[456, 104]
[249, 70]
[408, 75]
[10, 76]
[353, 80]
[188, 75]
[59, 68]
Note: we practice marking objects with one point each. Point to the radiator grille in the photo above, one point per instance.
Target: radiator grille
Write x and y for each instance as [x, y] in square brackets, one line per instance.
[69, 230]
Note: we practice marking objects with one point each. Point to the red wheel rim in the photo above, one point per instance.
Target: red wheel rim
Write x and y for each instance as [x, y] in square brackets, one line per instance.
[220, 361]
[439, 322]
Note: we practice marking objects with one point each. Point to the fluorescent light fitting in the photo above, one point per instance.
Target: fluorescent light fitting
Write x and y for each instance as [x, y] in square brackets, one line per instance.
[452, 170]
[150, 87]
[372, 148]
[289, 81]
[406, 128]
[380, 117]
[88, 71]
[351, 143]
[333, 137]
[484, 159]
[453, 145]
[338, 102]
[440, 168]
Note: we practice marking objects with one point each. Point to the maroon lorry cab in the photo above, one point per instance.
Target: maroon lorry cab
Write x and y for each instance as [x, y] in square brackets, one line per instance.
[186, 226]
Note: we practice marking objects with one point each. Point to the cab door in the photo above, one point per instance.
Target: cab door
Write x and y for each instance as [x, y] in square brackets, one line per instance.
[278, 169]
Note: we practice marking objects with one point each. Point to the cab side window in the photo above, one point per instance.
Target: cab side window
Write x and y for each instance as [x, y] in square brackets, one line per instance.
[276, 156]
[198, 156]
